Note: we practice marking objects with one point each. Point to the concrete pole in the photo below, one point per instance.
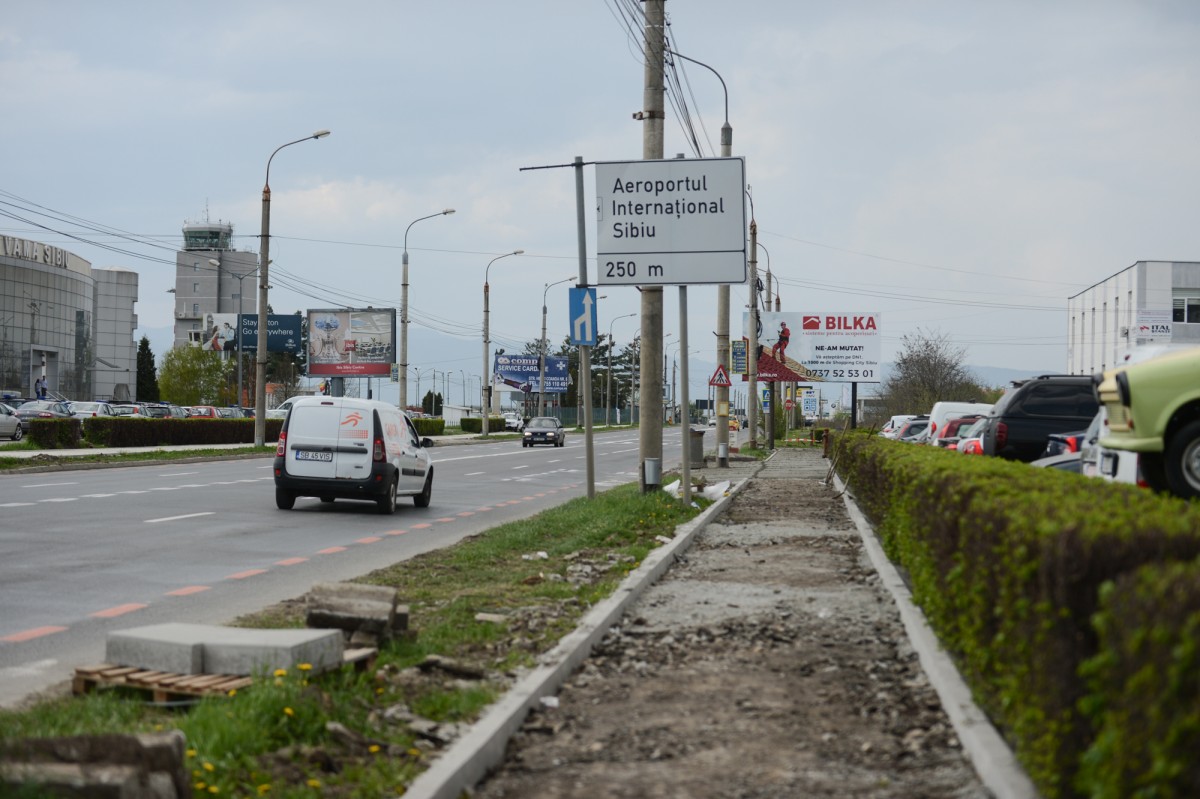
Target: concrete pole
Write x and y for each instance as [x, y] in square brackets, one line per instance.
[685, 422]
[650, 433]
[542, 361]
[752, 354]
[722, 394]
[486, 401]
[585, 352]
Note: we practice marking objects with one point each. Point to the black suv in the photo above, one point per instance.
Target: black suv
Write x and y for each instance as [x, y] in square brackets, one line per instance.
[1029, 412]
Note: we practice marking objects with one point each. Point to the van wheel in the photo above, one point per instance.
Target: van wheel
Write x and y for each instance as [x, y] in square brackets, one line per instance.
[422, 500]
[387, 503]
[1183, 462]
[284, 500]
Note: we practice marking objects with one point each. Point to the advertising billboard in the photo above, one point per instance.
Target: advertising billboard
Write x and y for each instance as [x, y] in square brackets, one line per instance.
[221, 332]
[522, 372]
[351, 343]
[800, 347]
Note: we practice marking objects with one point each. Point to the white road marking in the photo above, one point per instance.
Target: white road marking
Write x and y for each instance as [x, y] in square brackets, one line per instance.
[50, 485]
[177, 518]
[177, 474]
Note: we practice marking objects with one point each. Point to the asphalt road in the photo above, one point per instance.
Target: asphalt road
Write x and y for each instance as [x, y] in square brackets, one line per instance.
[88, 551]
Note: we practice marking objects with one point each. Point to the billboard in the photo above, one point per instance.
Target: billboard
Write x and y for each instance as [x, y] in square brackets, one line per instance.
[801, 347]
[351, 343]
[522, 373]
[220, 332]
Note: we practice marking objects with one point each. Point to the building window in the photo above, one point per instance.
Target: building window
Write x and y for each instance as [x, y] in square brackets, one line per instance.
[195, 309]
[1186, 309]
[195, 288]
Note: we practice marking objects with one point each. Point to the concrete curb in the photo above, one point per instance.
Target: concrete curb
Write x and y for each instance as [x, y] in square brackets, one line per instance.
[470, 758]
[991, 756]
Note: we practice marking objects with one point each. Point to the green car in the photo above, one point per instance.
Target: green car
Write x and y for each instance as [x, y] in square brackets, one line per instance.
[1154, 409]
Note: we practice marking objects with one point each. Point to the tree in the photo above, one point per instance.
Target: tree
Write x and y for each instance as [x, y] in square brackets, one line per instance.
[194, 376]
[147, 375]
[929, 369]
[431, 403]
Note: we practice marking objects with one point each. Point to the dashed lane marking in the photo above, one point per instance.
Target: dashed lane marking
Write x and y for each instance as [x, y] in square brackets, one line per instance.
[177, 518]
[29, 635]
[119, 610]
[245, 574]
[189, 590]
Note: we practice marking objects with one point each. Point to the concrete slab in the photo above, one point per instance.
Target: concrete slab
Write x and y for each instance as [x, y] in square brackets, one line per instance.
[211, 649]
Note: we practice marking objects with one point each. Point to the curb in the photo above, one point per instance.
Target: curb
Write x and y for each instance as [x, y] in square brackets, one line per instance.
[988, 752]
[471, 757]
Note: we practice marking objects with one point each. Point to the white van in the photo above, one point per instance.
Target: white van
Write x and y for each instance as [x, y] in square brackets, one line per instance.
[945, 411]
[348, 448]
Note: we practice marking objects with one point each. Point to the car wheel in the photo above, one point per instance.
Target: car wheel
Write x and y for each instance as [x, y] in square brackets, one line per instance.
[1183, 462]
[18, 433]
[284, 500]
[387, 503]
[422, 500]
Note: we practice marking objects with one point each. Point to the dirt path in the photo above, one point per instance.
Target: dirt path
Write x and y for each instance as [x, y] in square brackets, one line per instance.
[768, 663]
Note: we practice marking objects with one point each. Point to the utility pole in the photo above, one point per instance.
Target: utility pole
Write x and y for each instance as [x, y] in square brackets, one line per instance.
[752, 354]
[650, 433]
[722, 393]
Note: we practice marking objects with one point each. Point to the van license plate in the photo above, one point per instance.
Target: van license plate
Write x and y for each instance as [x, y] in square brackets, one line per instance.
[305, 455]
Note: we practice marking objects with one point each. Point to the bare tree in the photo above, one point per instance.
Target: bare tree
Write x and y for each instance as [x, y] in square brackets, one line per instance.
[929, 369]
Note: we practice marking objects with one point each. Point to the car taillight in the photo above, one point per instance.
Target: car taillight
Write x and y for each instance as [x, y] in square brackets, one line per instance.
[378, 449]
[1001, 435]
[281, 447]
[1073, 444]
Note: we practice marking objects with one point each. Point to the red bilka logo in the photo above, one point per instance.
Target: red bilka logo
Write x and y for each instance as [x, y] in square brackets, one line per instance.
[839, 323]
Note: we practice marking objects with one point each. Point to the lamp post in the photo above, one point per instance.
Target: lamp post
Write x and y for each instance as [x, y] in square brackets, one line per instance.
[608, 384]
[542, 351]
[404, 309]
[487, 398]
[264, 260]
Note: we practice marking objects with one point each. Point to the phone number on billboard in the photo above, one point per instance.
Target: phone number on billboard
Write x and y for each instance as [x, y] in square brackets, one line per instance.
[836, 373]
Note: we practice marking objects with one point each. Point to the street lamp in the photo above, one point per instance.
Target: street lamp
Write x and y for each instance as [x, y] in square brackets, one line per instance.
[608, 385]
[404, 309]
[542, 350]
[264, 259]
[487, 409]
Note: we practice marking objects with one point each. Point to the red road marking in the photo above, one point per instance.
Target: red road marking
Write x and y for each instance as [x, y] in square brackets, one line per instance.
[467, 513]
[331, 551]
[445, 519]
[421, 526]
[483, 509]
[29, 635]
[191, 589]
[527, 499]
[371, 539]
[290, 561]
[245, 574]
[396, 532]
[119, 610]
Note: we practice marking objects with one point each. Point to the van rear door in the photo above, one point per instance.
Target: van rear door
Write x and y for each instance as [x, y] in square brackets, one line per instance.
[329, 440]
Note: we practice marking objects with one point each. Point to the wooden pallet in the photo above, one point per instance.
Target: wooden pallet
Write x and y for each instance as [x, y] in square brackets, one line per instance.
[167, 686]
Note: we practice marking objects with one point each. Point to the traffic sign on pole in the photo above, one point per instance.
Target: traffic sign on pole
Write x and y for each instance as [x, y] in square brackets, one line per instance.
[582, 302]
[720, 378]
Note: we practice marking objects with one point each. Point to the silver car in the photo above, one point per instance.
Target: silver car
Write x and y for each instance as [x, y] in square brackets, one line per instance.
[10, 424]
[86, 410]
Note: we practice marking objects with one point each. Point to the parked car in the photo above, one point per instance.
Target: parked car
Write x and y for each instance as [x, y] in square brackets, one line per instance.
[513, 421]
[280, 411]
[893, 425]
[11, 425]
[44, 409]
[232, 412]
[943, 412]
[129, 409]
[912, 429]
[86, 410]
[970, 442]
[1031, 410]
[349, 448]
[1153, 409]
[951, 431]
[544, 430]
[1058, 443]
[163, 410]
[202, 412]
[1066, 461]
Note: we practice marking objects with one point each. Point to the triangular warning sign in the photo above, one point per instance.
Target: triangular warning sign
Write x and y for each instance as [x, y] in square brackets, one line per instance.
[720, 378]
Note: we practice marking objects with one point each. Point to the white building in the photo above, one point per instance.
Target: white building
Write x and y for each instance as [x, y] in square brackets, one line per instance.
[1148, 302]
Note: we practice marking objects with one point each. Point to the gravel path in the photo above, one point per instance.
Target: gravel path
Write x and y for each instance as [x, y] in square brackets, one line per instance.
[768, 662]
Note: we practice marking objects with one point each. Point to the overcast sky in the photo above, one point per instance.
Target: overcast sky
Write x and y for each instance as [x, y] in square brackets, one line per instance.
[959, 167]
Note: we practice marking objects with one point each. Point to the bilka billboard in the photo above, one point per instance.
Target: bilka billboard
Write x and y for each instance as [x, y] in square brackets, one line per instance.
[841, 347]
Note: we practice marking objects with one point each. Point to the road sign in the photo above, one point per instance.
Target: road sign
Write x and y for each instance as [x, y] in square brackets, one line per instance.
[720, 378]
[789, 404]
[673, 222]
[583, 316]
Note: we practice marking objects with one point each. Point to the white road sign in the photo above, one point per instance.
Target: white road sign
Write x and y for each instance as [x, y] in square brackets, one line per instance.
[674, 222]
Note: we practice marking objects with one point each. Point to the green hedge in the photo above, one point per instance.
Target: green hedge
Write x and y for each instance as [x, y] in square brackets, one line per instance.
[110, 431]
[1009, 563]
[475, 424]
[429, 427]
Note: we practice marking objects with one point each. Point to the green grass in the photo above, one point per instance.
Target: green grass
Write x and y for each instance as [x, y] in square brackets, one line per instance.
[268, 734]
[127, 457]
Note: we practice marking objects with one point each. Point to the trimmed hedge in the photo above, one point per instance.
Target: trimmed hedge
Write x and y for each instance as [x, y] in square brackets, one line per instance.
[114, 431]
[429, 427]
[474, 424]
[1009, 564]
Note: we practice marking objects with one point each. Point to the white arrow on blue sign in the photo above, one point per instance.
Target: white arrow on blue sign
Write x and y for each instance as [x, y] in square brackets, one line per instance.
[583, 313]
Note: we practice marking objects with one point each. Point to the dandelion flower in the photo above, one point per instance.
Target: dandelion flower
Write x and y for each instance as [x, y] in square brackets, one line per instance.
[373, 748]
[191, 753]
[314, 783]
[264, 789]
[280, 672]
[233, 692]
[305, 667]
[287, 711]
[209, 766]
[214, 789]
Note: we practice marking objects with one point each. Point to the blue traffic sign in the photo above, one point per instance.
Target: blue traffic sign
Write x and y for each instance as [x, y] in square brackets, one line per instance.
[583, 313]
